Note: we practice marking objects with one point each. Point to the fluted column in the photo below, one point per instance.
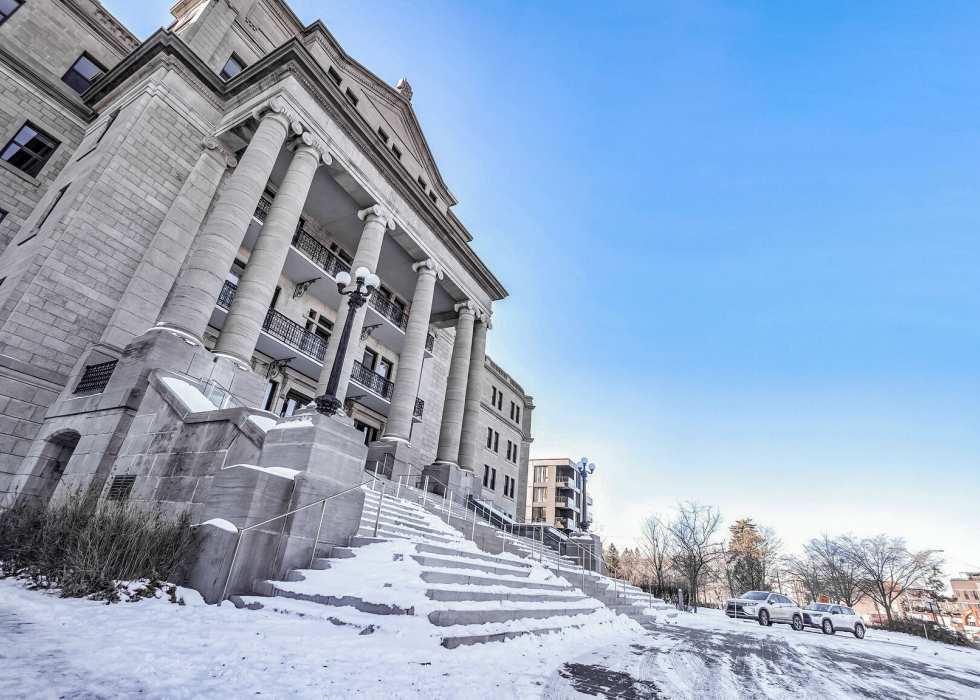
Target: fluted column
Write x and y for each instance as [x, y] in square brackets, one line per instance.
[399, 426]
[469, 437]
[248, 309]
[376, 220]
[459, 367]
[199, 285]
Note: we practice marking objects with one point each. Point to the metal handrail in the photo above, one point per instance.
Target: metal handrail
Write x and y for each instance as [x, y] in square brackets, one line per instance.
[243, 530]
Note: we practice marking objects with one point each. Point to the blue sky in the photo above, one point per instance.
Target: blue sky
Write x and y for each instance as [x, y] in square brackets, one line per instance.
[739, 238]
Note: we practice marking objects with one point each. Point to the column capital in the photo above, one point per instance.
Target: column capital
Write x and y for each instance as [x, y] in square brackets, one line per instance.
[465, 307]
[212, 144]
[380, 213]
[429, 265]
[309, 141]
[277, 106]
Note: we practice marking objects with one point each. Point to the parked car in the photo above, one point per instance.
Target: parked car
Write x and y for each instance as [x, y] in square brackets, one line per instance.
[766, 607]
[830, 618]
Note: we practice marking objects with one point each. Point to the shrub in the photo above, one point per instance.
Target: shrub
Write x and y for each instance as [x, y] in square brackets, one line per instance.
[83, 550]
[918, 628]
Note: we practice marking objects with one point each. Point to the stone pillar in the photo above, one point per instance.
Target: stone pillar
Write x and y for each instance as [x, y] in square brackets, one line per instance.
[199, 285]
[459, 367]
[248, 310]
[148, 288]
[469, 440]
[376, 220]
[399, 426]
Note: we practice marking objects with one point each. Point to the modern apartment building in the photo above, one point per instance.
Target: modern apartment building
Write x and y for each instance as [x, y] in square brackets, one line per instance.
[554, 494]
[183, 205]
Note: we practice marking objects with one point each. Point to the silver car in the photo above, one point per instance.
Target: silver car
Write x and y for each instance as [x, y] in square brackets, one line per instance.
[767, 608]
[829, 618]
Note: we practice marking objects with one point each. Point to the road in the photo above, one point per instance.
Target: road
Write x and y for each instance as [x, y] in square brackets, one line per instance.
[722, 660]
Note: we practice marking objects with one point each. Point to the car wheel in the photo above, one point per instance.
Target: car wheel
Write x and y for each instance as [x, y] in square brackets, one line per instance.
[764, 619]
[827, 627]
[797, 623]
[859, 631]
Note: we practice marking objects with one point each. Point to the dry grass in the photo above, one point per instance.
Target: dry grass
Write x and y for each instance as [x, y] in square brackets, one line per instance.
[84, 551]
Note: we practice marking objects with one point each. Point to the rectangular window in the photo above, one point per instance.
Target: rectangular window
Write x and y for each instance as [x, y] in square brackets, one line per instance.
[385, 368]
[517, 415]
[421, 183]
[493, 396]
[512, 407]
[397, 152]
[514, 460]
[540, 494]
[270, 395]
[432, 196]
[370, 357]
[512, 487]
[334, 75]
[496, 441]
[3, 215]
[537, 515]
[82, 73]
[486, 474]
[506, 484]
[540, 474]
[233, 66]
[351, 96]
[383, 134]
[29, 149]
[500, 401]
[370, 432]
[7, 8]
[493, 479]
[489, 438]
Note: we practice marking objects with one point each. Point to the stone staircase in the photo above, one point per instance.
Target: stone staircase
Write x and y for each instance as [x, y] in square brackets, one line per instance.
[421, 568]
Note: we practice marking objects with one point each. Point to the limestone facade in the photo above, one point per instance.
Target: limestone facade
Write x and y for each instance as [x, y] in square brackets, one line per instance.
[207, 187]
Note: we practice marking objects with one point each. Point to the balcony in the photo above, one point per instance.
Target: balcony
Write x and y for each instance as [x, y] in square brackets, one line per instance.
[569, 503]
[372, 381]
[309, 260]
[566, 482]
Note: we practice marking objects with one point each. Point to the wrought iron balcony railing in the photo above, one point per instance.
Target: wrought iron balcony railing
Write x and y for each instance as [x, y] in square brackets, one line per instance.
[419, 407]
[430, 341]
[389, 310]
[319, 253]
[96, 377]
[281, 328]
[372, 381]
[262, 209]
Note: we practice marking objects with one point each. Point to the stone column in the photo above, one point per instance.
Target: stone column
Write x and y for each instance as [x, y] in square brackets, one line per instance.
[148, 288]
[399, 426]
[248, 310]
[469, 440]
[199, 285]
[376, 220]
[459, 367]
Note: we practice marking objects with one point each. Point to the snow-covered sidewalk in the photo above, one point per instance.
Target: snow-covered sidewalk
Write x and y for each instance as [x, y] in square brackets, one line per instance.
[52, 648]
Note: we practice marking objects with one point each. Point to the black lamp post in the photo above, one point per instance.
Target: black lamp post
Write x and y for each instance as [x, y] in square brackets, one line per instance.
[584, 469]
[365, 283]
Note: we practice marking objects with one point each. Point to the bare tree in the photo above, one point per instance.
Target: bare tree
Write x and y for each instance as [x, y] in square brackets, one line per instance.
[841, 572]
[808, 575]
[655, 541]
[888, 569]
[692, 532]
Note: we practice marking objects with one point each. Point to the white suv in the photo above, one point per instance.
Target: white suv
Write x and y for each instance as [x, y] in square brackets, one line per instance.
[830, 618]
[765, 607]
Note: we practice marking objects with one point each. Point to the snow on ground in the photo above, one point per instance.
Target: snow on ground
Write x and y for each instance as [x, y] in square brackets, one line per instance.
[52, 647]
[709, 656]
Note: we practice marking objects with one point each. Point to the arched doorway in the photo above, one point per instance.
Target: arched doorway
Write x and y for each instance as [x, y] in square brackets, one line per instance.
[53, 461]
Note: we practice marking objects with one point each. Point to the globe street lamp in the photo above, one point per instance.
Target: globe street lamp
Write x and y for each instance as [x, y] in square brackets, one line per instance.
[584, 469]
[365, 283]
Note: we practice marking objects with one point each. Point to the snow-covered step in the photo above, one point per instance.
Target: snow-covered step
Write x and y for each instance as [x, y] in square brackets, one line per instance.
[446, 577]
[481, 594]
[449, 618]
[434, 562]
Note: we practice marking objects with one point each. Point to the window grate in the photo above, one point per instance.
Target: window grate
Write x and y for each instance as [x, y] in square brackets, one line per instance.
[96, 377]
[121, 487]
[419, 408]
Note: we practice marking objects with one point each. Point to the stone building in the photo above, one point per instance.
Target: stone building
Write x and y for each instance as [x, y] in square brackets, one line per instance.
[174, 215]
[554, 494]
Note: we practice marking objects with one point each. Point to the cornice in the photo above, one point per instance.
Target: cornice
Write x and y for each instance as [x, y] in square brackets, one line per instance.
[106, 26]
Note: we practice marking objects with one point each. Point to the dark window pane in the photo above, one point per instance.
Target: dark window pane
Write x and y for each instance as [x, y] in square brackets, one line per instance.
[76, 82]
[7, 8]
[231, 69]
[79, 77]
[87, 68]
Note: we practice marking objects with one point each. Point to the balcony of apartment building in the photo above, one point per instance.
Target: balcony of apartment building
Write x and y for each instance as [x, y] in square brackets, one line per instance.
[312, 264]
